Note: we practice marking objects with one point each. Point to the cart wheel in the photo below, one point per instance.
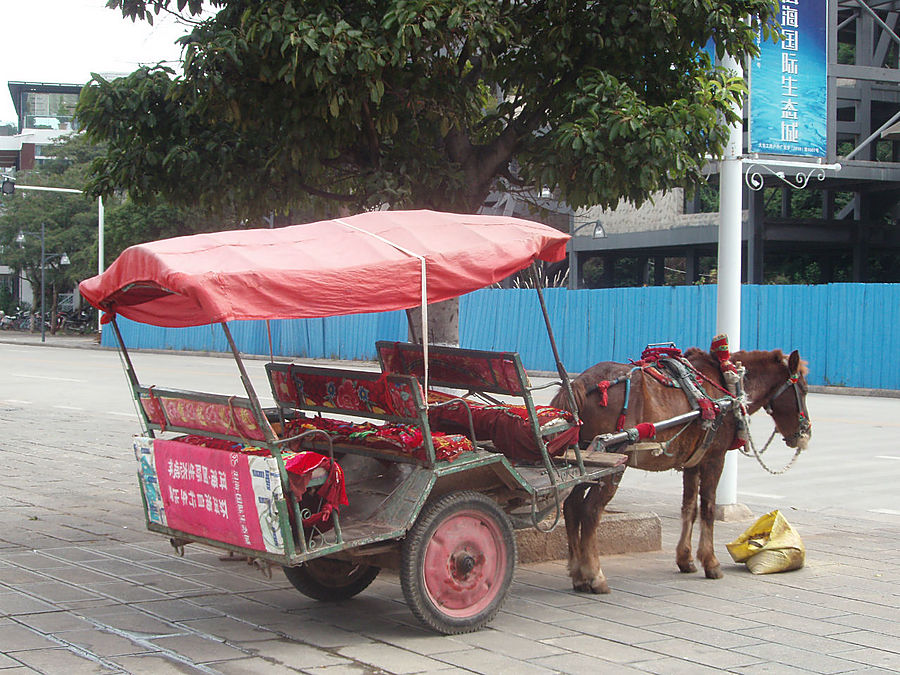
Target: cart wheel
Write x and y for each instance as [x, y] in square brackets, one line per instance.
[330, 579]
[458, 562]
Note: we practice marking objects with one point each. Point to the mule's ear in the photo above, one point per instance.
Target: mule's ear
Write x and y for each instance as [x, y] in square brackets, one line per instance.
[794, 362]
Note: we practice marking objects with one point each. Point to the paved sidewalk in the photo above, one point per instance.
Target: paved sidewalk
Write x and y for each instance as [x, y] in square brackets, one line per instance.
[85, 589]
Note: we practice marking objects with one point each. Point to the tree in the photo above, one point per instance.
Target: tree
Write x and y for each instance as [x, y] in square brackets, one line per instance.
[70, 221]
[422, 103]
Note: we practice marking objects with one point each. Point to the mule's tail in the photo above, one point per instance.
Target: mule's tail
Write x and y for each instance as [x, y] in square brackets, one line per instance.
[562, 402]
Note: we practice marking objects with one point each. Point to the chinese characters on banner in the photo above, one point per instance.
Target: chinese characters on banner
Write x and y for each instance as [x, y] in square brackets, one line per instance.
[788, 84]
[224, 496]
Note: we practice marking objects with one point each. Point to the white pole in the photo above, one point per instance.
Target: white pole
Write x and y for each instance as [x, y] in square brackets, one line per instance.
[728, 306]
[100, 249]
[100, 216]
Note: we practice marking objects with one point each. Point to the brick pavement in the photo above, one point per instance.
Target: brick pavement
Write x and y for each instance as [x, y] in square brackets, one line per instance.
[85, 589]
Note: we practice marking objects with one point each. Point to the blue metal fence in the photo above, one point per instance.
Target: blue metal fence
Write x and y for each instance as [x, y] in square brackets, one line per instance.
[845, 331]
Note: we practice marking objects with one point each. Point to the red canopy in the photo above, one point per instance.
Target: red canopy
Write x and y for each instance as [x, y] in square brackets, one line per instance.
[370, 262]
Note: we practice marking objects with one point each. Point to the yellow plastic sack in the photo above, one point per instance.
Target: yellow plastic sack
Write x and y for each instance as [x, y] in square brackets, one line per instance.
[769, 545]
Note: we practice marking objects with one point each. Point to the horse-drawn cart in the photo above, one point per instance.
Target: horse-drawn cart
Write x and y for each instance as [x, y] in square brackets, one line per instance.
[422, 465]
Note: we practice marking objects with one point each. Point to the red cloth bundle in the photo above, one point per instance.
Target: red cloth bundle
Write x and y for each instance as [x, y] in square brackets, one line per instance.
[333, 492]
[507, 426]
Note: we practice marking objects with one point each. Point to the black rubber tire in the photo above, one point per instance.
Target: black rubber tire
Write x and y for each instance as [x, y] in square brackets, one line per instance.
[413, 561]
[329, 579]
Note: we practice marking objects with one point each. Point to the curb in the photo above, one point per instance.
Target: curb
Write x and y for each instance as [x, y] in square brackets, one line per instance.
[616, 533]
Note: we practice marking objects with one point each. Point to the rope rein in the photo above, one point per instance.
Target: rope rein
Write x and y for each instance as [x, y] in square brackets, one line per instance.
[803, 427]
[759, 453]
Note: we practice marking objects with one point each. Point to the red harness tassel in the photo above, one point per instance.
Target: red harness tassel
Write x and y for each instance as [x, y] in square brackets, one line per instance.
[707, 409]
[720, 348]
[603, 390]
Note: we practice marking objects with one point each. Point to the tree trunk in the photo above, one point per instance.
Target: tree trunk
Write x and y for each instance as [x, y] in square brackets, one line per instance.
[54, 304]
[443, 323]
[35, 301]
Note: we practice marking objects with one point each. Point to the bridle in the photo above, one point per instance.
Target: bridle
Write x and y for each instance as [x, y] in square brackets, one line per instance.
[803, 425]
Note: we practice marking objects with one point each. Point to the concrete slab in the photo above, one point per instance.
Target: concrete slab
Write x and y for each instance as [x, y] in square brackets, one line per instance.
[616, 533]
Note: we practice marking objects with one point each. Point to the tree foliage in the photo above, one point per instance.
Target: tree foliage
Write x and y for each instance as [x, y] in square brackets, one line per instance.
[422, 103]
[70, 221]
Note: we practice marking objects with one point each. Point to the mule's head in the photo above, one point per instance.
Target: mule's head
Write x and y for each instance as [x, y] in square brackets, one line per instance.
[787, 401]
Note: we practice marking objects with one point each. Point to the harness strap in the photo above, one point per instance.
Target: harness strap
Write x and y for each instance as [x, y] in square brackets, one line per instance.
[700, 451]
[667, 365]
[804, 425]
[697, 398]
[660, 377]
[620, 423]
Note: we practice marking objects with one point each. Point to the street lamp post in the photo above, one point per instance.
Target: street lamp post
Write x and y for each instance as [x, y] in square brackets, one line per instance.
[43, 264]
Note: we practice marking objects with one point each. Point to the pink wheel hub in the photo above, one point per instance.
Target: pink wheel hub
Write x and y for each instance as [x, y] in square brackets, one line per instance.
[465, 563]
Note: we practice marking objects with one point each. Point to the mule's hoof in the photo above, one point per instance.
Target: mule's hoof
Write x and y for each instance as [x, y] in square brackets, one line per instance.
[600, 587]
[583, 587]
[687, 567]
[714, 572]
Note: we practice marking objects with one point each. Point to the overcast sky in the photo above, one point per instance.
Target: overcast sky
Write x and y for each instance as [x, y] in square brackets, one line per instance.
[65, 40]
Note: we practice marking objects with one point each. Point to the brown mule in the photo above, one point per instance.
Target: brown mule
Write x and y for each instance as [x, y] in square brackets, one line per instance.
[772, 381]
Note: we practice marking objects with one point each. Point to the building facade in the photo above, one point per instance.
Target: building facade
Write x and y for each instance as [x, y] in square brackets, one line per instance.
[44, 112]
[842, 225]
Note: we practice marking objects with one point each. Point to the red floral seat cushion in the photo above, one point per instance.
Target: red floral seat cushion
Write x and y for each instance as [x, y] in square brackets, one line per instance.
[404, 438]
[508, 427]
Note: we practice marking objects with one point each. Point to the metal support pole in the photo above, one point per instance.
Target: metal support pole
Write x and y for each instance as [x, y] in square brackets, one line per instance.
[100, 250]
[560, 368]
[248, 386]
[728, 305]
[43, 328]
[133, 381]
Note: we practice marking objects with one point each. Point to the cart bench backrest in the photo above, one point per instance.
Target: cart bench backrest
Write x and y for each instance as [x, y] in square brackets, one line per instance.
[228, 417]
[396, 400]
[473, 369]
[522, 432]
[393, 398]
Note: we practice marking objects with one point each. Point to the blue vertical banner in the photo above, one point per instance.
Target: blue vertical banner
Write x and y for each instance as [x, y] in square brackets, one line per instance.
[710, 49]
[788, 84]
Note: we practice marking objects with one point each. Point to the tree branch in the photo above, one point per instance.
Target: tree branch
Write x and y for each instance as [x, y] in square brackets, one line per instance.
[332, 196]
[371, 134]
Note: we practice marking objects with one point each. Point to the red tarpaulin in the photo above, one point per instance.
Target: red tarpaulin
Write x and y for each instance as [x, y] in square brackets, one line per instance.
[370, 262]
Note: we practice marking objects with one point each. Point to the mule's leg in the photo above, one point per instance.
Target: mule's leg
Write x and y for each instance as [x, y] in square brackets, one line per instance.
[691, 483]
[710, 472]
[573, 509]
[589, 572]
